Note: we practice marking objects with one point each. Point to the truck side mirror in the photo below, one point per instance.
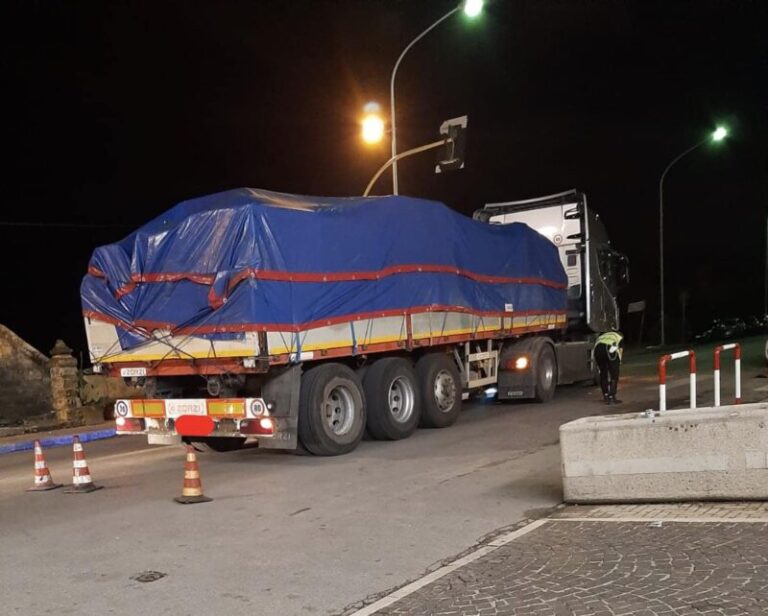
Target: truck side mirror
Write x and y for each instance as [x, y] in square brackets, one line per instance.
[573, 213]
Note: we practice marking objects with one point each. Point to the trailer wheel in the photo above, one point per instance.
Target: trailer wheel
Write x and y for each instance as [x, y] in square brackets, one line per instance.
[392, 399]
[331, 410]
[440, 388]
[546, 374]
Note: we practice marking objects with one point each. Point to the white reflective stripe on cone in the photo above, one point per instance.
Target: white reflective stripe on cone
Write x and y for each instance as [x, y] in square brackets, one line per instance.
[39, 464]
[79, 464]
[81, 479]
[77, 447]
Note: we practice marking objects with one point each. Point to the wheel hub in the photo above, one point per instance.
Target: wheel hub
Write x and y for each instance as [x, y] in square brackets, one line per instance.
[445, 391]
[339, 410]
[401, 399]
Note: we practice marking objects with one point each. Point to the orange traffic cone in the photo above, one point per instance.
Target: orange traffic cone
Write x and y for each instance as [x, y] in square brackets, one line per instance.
[43, 479]
[81, 476]
[192, 492]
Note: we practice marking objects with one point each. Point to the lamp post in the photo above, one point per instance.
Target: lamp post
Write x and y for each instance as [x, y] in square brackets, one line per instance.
[718, 135]
[765, 298]
[471, 8]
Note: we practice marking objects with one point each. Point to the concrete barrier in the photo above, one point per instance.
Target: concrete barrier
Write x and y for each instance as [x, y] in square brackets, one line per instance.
[688, 454]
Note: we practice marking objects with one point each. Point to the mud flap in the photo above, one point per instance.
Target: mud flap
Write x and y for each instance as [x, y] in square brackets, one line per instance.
[282, 391]
[519, 384]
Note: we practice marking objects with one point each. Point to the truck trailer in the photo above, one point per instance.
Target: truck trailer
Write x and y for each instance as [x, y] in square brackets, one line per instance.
[252, 317]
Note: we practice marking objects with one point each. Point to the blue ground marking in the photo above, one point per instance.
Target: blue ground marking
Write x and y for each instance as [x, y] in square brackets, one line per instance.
[58, 441]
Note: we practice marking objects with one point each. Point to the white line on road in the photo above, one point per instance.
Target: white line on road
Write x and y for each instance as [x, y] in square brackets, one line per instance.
[661, 518]
[445, 570]
[135, 453]
[20, 474]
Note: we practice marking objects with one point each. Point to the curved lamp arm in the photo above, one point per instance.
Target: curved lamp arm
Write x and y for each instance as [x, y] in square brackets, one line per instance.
[396, 157]
[678, 157]
[393, 160]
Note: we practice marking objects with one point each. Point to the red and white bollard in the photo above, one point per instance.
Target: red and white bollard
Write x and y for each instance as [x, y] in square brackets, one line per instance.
[663, 376]
[737, 369]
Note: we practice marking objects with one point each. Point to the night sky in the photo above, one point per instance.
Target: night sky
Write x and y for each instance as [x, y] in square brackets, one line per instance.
[115, 111]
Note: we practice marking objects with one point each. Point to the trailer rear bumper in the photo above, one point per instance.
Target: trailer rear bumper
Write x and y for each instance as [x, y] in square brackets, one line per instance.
[170, 421]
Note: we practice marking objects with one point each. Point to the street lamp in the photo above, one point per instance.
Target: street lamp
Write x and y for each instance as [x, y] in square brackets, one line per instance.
[472, 9]
[718, 135]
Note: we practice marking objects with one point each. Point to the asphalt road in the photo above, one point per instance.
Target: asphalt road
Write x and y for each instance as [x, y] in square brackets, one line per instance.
[285, 534]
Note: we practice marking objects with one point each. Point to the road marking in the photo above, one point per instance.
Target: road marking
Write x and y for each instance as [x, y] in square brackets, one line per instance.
[661, 518]
[20, 475]
[406, 590]
[133, 453]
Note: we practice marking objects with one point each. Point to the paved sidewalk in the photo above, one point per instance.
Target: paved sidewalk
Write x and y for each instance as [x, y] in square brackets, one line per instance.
[637, 560]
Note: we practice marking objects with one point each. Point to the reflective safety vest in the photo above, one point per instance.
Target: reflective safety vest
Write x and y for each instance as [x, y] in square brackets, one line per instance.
[612, 341]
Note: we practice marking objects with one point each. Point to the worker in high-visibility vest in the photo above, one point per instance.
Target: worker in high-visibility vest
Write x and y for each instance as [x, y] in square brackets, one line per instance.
[608, 352]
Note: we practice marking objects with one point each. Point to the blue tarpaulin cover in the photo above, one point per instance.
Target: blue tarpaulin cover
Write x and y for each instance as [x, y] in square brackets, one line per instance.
[252, 260]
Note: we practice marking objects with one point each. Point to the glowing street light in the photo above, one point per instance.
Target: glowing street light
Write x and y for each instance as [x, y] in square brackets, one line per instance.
[718, 135]
[372, 124]
[472, 9]
[373, 129]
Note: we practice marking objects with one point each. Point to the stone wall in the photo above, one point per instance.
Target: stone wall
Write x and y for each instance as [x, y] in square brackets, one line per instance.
[25, 382]
[65, 385]
[102, 391]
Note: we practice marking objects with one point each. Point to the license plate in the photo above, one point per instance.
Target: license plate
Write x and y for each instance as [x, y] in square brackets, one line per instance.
[133, 372]
[177, 408]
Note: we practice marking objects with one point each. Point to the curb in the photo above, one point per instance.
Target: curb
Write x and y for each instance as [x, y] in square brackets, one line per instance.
[58, 441]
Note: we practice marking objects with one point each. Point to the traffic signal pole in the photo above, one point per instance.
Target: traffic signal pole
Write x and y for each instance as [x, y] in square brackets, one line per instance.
[395, 158]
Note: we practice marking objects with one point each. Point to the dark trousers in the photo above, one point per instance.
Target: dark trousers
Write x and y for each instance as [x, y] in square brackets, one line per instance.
[609, 370]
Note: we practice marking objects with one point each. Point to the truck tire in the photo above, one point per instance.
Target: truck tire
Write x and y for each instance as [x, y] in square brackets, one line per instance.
[440, 389]
[392, 399]
[331, 410]
[546, 374]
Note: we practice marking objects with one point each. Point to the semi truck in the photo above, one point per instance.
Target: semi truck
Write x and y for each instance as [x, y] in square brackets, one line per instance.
[259, 318]
[596, 273]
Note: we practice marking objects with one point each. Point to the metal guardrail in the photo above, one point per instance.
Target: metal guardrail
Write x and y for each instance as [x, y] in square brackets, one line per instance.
[737, 369]
[663, 360]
